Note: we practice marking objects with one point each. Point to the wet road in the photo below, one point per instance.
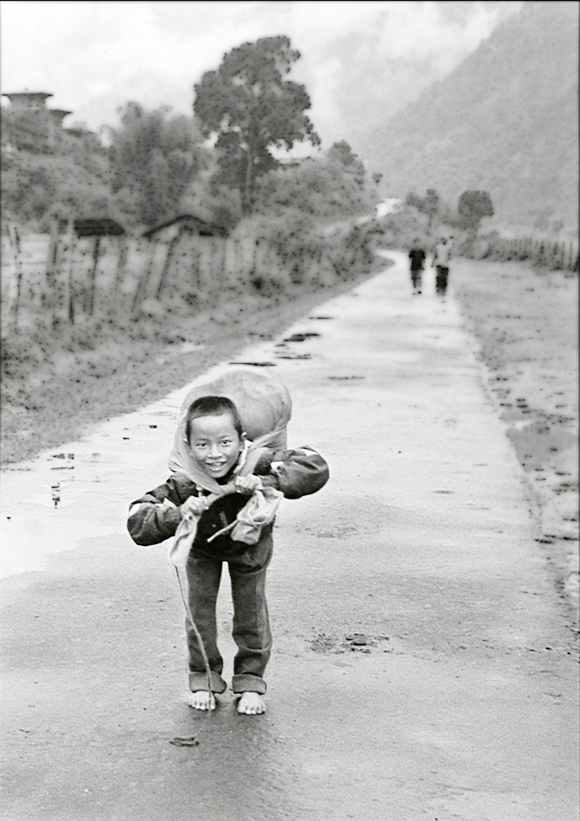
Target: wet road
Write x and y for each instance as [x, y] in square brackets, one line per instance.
[421, 668]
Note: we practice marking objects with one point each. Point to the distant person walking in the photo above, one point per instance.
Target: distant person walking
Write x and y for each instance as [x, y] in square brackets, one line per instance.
[441, 259]
[417, 257]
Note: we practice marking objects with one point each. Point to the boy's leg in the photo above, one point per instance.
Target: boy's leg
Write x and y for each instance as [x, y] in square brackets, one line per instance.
[251, 628]
[203, 577]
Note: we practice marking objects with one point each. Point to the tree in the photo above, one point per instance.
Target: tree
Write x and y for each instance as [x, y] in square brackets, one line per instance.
[428, 205]
[341, 154]
[249, 107]
[315, 186]
[431, 204]
[473, 206]
[153, 159]
[414, 200]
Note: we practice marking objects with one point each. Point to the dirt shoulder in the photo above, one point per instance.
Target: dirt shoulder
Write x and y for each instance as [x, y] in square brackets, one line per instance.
[525, 322]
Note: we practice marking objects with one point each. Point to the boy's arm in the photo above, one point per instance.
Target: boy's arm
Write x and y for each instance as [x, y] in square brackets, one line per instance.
[156, 515]
[296, 472]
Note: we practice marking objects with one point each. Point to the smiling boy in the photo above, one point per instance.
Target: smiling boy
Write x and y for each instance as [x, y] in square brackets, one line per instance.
[219, 449]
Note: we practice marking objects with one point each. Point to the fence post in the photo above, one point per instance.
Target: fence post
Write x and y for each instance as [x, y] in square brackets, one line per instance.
[93, 281]
[122, 261]
[48, 299]
[14, 238]
[168, 257]
[69, 285]
[142, 284]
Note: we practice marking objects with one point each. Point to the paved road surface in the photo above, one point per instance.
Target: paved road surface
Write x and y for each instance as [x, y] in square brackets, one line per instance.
[422, 669]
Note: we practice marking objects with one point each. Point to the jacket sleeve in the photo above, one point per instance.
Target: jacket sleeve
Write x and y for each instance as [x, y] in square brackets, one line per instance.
[297, 472]
[155, 516]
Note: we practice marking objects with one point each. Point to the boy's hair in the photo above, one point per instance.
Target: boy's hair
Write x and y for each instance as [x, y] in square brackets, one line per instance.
[212, 406]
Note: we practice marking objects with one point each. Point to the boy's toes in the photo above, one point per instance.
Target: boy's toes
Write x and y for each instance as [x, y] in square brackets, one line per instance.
[201, 700]
[251, 704]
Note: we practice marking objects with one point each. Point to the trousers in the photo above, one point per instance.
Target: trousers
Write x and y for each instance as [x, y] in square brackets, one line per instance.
[251, 625]
[441, 278]
[416, 277]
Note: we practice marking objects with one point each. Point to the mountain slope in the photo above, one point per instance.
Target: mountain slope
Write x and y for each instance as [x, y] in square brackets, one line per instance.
[505, 120]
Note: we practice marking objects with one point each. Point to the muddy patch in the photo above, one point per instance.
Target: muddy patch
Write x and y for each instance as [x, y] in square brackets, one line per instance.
[350, 643]
[531, 356]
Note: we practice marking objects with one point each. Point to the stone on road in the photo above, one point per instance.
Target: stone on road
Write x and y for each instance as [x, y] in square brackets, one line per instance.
[421, 667]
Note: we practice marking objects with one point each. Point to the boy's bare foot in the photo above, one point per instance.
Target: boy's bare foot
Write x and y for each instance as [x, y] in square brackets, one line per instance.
[251, 704]
[201, 700]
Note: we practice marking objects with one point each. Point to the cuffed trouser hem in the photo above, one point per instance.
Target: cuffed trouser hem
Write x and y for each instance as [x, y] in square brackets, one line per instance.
[198, 681]
[248, 683]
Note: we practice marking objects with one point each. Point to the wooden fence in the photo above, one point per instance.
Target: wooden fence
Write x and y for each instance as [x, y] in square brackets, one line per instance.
[68, 279]
[542, 253]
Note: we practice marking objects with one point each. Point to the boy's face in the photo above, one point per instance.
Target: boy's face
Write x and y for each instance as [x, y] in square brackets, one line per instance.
[215, 444]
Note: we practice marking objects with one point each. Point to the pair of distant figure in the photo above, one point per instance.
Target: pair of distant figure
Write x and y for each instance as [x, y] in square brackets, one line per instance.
[441, 259]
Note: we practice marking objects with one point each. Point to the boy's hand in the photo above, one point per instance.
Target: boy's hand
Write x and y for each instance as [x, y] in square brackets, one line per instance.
[194, 504]
[247, 484]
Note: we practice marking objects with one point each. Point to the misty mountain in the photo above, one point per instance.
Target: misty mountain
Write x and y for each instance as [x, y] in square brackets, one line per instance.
[505, 120]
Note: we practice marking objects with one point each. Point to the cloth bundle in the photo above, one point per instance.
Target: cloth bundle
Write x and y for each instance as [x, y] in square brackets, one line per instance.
[265, 409]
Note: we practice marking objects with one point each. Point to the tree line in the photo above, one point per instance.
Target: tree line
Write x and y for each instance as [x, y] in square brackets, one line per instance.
[472, 207]
[222, 162]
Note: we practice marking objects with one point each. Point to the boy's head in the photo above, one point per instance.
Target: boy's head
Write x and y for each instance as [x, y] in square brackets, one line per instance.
[214, 433]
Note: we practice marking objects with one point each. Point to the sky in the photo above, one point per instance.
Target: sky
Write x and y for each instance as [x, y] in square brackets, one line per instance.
[361, 62]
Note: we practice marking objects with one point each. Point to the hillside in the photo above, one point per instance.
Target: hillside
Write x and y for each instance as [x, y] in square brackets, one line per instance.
[505, 120]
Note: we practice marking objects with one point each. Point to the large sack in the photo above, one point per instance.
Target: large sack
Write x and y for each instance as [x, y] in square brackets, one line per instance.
[264, 406]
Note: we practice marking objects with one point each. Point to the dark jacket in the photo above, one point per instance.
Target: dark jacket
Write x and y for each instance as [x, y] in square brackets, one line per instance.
[156, 515]
[417, 257]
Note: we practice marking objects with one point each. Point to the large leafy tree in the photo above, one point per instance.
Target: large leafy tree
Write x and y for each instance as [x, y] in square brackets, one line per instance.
[473, 206]
[154, 157]
[248, 106]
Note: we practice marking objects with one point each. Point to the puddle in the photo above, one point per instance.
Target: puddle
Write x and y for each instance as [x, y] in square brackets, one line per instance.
[344, 378]
[300, 337]
[256, 364]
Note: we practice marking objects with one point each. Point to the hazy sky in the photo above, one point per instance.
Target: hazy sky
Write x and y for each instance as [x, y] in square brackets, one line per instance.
[361, 61]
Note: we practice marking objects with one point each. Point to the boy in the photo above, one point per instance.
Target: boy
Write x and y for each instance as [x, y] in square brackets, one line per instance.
[218, 448]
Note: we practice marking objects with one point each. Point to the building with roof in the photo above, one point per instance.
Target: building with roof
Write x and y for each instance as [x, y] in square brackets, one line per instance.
[185, 223]
[30, 124]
